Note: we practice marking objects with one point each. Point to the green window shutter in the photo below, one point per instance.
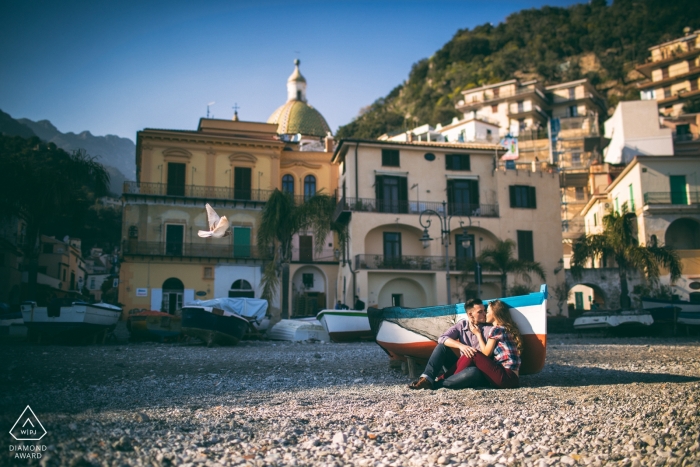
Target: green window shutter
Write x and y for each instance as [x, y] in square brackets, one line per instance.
[525, 247]
[474, 193]
[512, 196]
[450, 196]
[532, 198]
[403, 195]
[379, 188]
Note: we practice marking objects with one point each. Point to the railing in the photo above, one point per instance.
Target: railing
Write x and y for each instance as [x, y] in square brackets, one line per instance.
[195, 191]
[671, 197]
[685, 137]
[489, 96]
[304, 255]
[415, 207]
[411, 263]
[197, 250]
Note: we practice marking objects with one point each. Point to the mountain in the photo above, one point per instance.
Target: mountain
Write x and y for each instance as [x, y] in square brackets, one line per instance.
[594, 40]
[115, 153]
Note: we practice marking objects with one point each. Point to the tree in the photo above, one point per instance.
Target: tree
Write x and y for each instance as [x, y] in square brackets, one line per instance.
[282, 217]
[40, 182]
[500, 258]
[618, 242]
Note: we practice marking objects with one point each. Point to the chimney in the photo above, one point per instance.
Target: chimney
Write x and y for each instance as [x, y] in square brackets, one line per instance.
[409, 136]
[330, 143]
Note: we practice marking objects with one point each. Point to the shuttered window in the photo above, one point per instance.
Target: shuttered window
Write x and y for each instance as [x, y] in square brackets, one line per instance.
[522, 196]
[525, 248]
[390, 157]
[457, 162]
[391, 194]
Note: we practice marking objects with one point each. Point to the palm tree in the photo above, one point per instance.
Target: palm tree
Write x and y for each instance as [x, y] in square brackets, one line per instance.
[618, 242]
[282, 217]
[500, 258]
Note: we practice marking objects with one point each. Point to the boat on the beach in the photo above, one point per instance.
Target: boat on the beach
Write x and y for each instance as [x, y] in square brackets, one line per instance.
[685, 312]
[297, 330]
[604, 319]
[154, 325]
[12, 325]
[72, 319]
[346, 325]
[413, 332]
[213, 325]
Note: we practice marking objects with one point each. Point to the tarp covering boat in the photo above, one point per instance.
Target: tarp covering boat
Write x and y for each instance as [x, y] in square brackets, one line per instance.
[253, 309]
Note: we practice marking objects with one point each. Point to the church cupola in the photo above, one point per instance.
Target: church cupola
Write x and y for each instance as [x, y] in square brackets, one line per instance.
[296, 85]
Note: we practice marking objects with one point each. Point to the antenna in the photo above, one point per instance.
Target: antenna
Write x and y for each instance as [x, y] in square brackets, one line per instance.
[210, 104]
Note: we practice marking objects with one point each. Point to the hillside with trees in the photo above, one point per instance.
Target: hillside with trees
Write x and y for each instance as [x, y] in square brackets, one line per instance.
[594, 40]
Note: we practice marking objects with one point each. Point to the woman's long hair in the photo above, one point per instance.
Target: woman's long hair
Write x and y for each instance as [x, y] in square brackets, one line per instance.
[502, 314]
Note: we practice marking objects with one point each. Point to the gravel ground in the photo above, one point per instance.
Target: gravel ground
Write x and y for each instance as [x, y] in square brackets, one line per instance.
[618, 401]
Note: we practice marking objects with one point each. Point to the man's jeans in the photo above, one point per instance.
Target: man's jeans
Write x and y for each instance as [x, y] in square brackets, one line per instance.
[444, 356]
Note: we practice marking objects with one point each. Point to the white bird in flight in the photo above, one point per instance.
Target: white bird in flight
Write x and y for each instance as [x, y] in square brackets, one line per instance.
[218, 226]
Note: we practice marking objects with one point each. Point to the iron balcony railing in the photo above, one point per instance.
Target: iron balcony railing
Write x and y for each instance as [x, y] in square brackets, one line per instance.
[201, 192]
[309, 255]
[671, 197]
[194, 250]
[412, 263]
[415, 207]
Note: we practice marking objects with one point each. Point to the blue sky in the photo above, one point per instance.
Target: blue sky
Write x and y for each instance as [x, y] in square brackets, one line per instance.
[116, 67]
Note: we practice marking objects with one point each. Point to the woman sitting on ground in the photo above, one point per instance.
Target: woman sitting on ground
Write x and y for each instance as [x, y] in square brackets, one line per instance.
[503, 341]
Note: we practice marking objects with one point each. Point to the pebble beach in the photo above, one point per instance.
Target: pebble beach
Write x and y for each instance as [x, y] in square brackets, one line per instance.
[598, 401]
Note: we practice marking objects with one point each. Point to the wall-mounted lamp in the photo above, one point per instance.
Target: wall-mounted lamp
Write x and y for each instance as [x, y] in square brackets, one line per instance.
[560, 267]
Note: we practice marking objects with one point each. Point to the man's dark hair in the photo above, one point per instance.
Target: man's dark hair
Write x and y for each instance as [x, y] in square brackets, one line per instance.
[471, 303]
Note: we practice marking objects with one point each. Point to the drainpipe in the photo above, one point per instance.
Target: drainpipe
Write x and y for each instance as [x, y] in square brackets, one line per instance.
[347, 246]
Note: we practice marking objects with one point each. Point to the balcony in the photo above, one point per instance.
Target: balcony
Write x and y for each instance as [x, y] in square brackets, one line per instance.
[309, 255]
[348, 205]
[410, 263]
[676, 198]
[246, 197]
[194, 250]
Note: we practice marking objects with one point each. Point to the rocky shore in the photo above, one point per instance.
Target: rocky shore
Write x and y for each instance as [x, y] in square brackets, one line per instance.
[599, 401]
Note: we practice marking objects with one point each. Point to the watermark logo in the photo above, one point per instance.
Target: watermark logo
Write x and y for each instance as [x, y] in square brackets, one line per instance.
[28, 427]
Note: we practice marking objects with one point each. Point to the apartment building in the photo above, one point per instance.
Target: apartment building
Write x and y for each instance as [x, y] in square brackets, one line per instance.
[672, 73]
[387, 188]
[61, 265]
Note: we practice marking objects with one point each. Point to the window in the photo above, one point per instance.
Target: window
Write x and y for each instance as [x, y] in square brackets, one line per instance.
[525, 249]
[617, 205]
[391, 194]
[306, 248]
[664, 72]
[208, 272]
[392, 245]
[494, 108]
[47, 248]
[667, 92]
[572, 94]
[176, 179]
[464, 254]
[463, 197]
[575, 158]
[309, 186]
[522, 196]
[92, 283]
[174, 239]
[522, 126]
[595, 220]
[496, 92]
[241, 242]
[241, 289]
[573, 111]
[580, 196]
[242, 185]
[489, 136]
[521, 107]
[133, 232]
[457, 162]
[390, 157]
[288, 184]
[632, 198]
[307, 280]
[396, 299]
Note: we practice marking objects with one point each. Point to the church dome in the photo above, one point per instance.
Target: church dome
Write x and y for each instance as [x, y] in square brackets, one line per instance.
[296, 116]
[299, 117]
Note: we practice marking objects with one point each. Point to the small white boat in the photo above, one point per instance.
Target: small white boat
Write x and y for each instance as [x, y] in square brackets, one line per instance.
[12, 326]
[76, 319]
[297, 330]
[686, 312]
[346, 325]
[405, 332]
[612, 319]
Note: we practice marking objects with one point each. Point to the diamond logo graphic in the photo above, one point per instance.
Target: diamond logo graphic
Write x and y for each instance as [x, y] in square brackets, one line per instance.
[28, 427]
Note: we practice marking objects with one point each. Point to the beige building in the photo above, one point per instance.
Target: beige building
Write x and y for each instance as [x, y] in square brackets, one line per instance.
[234, 166]
[386, 185]
[664, 196]
[61, 264]
[673, 73]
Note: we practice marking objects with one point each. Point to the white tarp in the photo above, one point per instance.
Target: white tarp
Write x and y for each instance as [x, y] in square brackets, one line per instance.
[254, 308]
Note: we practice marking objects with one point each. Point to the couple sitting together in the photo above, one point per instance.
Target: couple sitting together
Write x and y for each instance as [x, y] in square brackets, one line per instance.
[482, 350]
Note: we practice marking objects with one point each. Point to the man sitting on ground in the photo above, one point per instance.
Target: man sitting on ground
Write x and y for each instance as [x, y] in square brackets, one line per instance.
[464, 342]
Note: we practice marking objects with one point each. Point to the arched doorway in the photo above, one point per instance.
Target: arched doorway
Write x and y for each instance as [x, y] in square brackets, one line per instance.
[308, 291]
[583, 297]
[683, 234]
[402, 292]
[241, 289]
[173, 291]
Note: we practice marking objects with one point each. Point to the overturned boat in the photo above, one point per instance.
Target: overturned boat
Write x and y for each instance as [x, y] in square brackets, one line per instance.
[413, 332]
[298, 330]
[603, 319]
[684, 312]
[74, 320]
[346, 325]
[222, 321]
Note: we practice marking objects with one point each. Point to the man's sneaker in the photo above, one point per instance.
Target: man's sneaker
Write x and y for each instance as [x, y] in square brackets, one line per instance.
[421, 383]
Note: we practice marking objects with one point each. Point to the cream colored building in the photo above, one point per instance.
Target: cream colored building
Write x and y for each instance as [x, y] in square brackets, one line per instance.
[384, 187]
[663, 194]
[234, 166]
[61, 264]
[673, 73]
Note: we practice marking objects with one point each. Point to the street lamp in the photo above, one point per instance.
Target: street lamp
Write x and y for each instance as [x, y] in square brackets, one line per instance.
[445, 220]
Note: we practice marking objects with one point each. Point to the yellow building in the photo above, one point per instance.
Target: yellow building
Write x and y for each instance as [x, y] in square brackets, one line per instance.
[663, 195]
[673, 73]
[386, 185]
[61, 264]
[234, 166]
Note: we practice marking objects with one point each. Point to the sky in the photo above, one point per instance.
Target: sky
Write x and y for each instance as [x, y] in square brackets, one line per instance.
[117, 67]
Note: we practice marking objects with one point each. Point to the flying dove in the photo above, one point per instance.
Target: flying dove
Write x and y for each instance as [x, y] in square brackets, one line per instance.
[218, 226]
